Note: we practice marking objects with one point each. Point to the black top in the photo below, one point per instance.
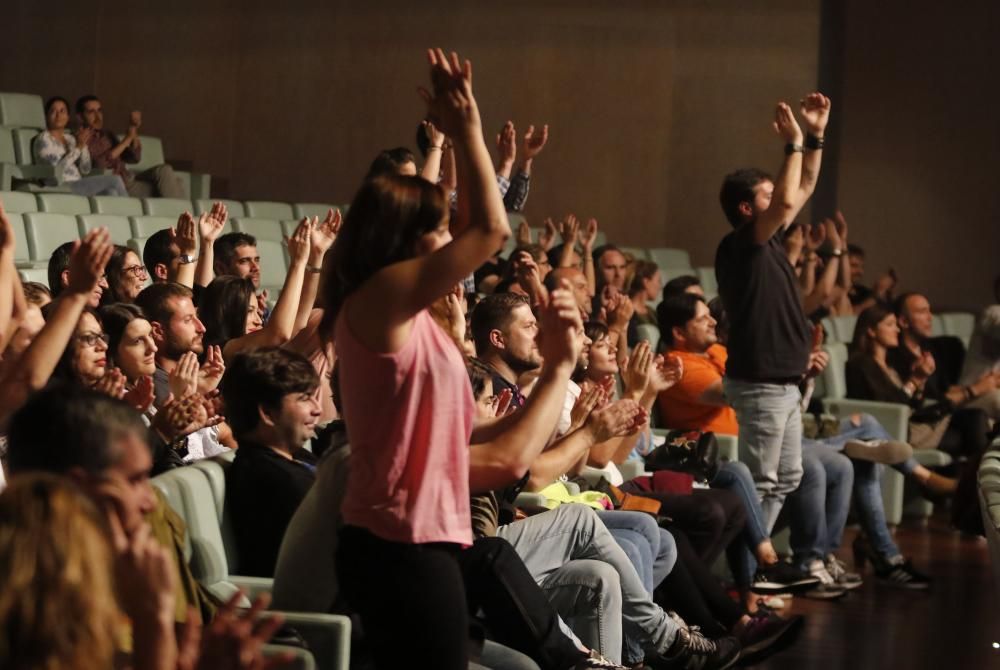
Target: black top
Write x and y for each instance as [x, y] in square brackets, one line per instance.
[949, 356]
[500, 383]
[769, 335]
[858, 293]
[263, 490]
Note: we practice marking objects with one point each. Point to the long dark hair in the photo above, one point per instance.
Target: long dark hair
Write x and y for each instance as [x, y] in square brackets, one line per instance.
[868, 320]
[223, 309]
[64, 368]
[383, 225]
[115, 319]
[113, 272]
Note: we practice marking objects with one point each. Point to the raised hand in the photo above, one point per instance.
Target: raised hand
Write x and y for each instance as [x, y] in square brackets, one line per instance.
[547, 237]
[533, 144]
[620, 418]
[523, 234]
[451, 107]
[638, 369]
[87, 261]
[111, 384]
[434, 136]
[324, 233]
[815, 236]
[589, 236]
[559, 327]
[501, 403]
[183, 379]
[621, 312]
[529, 277]
[841, 224]
[183, 234]
[141, 395]
[211, 371]
[507, 143]
[300, 241]
[569, 229]
[832, 233]
[785, 124]
[212, 222]
[667, 371]
[815, 110]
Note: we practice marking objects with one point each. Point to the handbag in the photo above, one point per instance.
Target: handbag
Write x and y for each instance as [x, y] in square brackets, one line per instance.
[691, 451]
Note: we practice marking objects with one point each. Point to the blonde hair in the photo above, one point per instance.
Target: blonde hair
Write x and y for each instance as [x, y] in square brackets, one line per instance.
[57, 606]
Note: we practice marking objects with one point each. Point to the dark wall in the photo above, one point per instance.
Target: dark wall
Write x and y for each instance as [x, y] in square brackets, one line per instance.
[649, 103]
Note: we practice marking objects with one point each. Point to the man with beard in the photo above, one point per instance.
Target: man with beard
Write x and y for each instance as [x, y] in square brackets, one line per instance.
[504, 330]
[176, 330]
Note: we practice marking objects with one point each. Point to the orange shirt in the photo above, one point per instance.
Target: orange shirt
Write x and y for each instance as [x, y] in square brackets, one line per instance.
[680, 405]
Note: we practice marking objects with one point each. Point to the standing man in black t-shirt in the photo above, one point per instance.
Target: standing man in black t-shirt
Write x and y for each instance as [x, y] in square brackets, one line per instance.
[769, 337]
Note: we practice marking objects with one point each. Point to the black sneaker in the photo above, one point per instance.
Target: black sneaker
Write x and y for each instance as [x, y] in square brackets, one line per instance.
[782, 578]
[902, 575]
[693, 651]
[767, 633]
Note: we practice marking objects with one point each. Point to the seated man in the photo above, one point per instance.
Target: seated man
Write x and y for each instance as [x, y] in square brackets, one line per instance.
[59, 274]
[108, 152]
[271, 405]
[860, 295]
[820, 504]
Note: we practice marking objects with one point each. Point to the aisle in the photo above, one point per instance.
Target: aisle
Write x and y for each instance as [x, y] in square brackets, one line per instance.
[952, 627]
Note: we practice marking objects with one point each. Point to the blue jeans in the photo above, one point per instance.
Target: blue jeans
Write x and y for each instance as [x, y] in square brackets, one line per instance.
[105, 184]
[651, 550]
[818, 509]
[770, 439]
[736, 478]
[868, 428]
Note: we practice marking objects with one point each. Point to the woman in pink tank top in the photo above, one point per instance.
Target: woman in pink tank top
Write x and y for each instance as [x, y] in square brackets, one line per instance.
[405, 395]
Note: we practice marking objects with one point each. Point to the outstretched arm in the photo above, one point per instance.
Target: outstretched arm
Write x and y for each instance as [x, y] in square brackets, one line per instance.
[815, 110]
[210, 226]
[785, 204]
[432, 164]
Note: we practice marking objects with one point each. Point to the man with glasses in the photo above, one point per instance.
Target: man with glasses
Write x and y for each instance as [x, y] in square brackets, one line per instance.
[109, 152]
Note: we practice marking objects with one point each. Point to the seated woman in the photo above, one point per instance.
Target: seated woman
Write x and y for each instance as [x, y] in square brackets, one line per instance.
[646, 285]
[85, 359]
[70, 156]
[126, 276]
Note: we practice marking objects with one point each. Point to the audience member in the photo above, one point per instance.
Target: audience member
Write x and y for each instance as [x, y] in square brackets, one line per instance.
[108, 152]
[504, 331]
[176, 330]
[769, 340]
[646, 285]
[270, 403]
[861, 296]
[36, 293]
[126, 276]
[58, 272]
[983, 356]
[682, 284]
[169, 253]
[54, 146]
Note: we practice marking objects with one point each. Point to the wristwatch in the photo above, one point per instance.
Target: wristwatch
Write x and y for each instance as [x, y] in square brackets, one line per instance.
[187, 259]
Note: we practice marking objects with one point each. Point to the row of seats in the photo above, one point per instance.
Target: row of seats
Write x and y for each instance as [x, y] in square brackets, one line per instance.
[989, 504]
[198, 494]
[958, 324]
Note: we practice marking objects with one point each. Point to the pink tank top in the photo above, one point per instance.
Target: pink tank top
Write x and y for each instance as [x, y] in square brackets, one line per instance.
[409, 420]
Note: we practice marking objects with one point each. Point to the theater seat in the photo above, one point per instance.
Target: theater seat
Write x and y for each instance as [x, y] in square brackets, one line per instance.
[18, 201]
[194, 493]
[36, 274]
[960, 325]
[63, 203]
[166, 206]
[27, 176]
[233, 207]
[21, 109]
[261, 209]
[22, 252]
[273, 265]
[145, 226]
[638, 253]
[709, 284]
[47, 231]
[649, 333]
[671, 259]
[989, 504]
[113, 204]
[118, 226]
[304, 209]
[23, 139]
[262, 229]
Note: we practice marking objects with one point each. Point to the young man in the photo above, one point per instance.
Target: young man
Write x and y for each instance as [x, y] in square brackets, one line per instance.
[504, 331]
[770, 337]
[176, 330]
[271, 405]
[236, 254]
[59, 274]
[111, 153]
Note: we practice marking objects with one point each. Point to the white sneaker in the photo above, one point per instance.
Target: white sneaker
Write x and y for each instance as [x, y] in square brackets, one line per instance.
[828, 589]
[838, 570]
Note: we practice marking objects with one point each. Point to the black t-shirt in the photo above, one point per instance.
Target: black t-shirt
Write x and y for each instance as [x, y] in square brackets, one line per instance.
[263, 490]
[859, 293]
[769, 335]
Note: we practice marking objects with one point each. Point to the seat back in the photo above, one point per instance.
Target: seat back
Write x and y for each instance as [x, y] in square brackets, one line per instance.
[303, 209]
[263, 209]
[706, 277]
[214, 470]
[118, 226]
[144, 226]
[21, 109]
[649, 333]
[233, 207]
[262, 229]
[35, 274]
[273, 264]
[989, 505]
[63, 203]
[208, 555]
[47, 231]
[638, 253]
[7, 152]
[21, 250]
[959, 324]
[843, 326]
[114, 204]
[18, 201]
[23, 139]
[671, 259]
[832, 383]
[165, 207]
[152, 154]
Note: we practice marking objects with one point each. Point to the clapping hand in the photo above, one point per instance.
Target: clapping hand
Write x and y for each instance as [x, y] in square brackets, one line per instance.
[83, 136]
[666, 372]
[183, 379]
[618, 419]
[300, 242]
[87, 261]
[324, 234]
[523, 234]
[507, 144]
[533, 144]
[785, 124]
[815, 110]
[211, 223]
[183, 235]
[589, 236]
[234, 640]
[111, 384]
[638, 370]
[548, 235]
[559, 327]
[815, 236]
[211, 371]
[141, 395]
[434, 136]
[569, 229]
[591, 396]
[451, 107]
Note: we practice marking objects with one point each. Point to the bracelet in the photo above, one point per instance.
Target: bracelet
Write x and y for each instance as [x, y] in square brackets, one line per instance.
[432, 148]
[793, 148]
[837, 252]
[314, 269]
[813, 143]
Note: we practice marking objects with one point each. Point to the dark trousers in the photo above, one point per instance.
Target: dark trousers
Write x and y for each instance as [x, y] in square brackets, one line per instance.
[410, 597]
[518, 615]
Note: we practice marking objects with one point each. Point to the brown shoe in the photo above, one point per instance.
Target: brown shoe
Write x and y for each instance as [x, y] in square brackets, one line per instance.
[939, 485]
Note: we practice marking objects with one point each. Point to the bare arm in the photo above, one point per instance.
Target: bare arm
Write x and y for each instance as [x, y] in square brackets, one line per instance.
[815, 110]
[587, 239]
[432, 164]
[281, 326]
[8, 277]
[823, 289]
[210, 226]
[323, 235]
[183, 235]
[507, 150]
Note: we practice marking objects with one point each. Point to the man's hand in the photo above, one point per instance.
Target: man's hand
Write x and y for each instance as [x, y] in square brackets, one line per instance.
[620, 312]
[523, 234]
[818, 361]
[785, 124]
[547, 237]
[569, 229]
[135, 119]
[533, 144]
[87, 261]
[451, 107]
[815, 236]
[211, 223]
[815, 110]
[559, 340]
[841, 224]
[183, 234]
[667, 371]
[884, 285]
[434, 136]
[589, 236]
[300, 242]
[530, 278]
[183, 379]
[507, 145]
[211, 371]
[324, 234]
[924, 367]
[833, 234]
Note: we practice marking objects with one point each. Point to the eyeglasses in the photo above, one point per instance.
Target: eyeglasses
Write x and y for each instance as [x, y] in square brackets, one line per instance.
[137, 271]
[90, 339]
